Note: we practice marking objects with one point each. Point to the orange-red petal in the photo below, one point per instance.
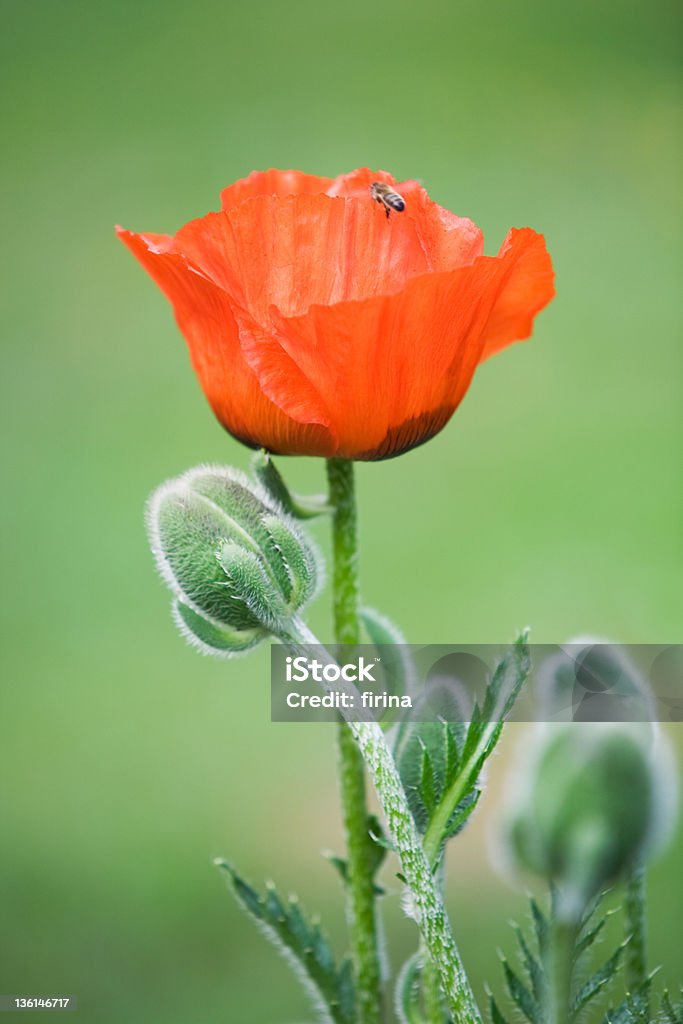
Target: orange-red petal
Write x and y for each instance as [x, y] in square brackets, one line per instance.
[394, 368]
[272, 183]
[205, 317]
[448, 241]
[319, 326]
[528, 288]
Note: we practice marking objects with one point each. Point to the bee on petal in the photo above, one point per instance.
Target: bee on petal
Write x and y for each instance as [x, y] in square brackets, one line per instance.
[389, 199]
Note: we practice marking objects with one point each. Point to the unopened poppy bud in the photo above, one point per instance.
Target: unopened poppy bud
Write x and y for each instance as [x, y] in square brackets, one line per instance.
[238, 566]
[589, 808]
[592, 680]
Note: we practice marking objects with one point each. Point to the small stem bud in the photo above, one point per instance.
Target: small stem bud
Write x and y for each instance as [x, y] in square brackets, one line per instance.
[239, 567]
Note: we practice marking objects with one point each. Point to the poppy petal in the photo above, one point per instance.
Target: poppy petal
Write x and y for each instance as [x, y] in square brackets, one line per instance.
[296, 251]
[392, 362]
[527, 288]
[272, 183]
[205, 318]
[449, 241]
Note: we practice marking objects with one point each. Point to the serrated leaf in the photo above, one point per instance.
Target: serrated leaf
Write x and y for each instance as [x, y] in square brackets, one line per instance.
[303, 946]
[587, 940]
[494, 1011]
[533, 967]
[427, 783]
[541, 929]
[346, 988]
[342, 867]
[462, 812]
[376, 851]
[482, 735]
[521, 996]
[452, 754]
[672, 1012]
[633, 1009]
[598, 980]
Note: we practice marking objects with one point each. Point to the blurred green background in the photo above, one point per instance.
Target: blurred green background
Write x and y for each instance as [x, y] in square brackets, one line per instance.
[552, 499]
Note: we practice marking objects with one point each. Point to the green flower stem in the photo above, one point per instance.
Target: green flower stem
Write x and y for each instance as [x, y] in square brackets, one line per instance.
[636, 929]
[432, 994]
[561, 970]
[428, 908]
[427, 903]
[362, 910]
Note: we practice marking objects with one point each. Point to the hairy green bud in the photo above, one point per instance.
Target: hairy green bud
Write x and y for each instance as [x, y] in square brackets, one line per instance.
[588, 807]
[239, 567]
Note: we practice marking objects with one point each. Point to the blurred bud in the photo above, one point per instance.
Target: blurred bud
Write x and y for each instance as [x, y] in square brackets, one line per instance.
[593, 680]
[589, 807]
[238, 566]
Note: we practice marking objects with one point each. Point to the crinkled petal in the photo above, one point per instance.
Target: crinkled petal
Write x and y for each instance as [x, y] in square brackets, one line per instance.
[528, 288]
[206, 319]
[272, 183]
[396, 367]
[448, 241]
[296, 251]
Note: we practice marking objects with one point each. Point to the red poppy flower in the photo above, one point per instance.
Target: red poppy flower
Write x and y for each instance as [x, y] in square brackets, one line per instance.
[318, 326]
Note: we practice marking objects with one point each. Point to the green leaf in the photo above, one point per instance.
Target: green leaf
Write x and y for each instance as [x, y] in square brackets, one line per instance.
[423, 760]
[533, 967]
[458, 776]
[597, 981]
[342, 867]
[532, 999]
[427, 782]
[541, 929]
[496, 1016]
[377, 848]
[303, 946]
[634, 1008]
[587, 940]
[521, 996]
[672, 1012]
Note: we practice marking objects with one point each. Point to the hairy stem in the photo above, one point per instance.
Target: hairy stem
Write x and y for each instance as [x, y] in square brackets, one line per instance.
[636, 928]
[432, 994]
[428, 908]
[362, 910]
[427, 903]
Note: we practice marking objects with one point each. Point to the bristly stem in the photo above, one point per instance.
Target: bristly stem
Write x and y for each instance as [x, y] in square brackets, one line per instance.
[361, 889]
[636, 931]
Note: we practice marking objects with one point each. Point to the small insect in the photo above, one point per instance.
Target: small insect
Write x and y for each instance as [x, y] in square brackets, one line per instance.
[389, 199]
